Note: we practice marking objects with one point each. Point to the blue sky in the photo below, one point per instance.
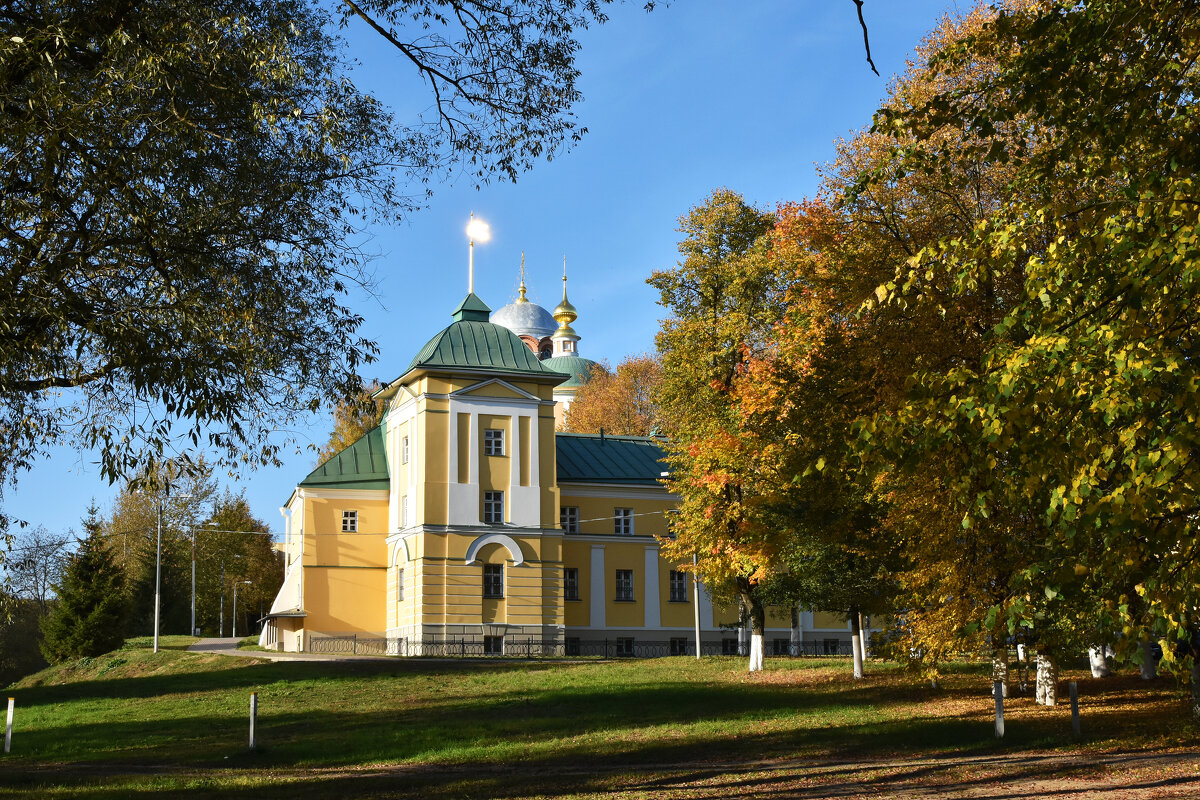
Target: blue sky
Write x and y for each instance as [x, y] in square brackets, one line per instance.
[697, 95]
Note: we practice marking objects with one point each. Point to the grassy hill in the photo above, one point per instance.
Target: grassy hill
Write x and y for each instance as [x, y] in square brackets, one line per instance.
[175, 724]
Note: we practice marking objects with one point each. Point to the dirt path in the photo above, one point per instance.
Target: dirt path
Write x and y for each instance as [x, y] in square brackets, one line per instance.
[1000, 776]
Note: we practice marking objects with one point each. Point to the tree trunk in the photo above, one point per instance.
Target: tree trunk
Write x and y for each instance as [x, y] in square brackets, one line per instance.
[1047, 680]
[742, 624]
[758, 623]
[1098, 662]
[856, 642]
[794, 646]
[1149, 662]
[864, 634]
[1000, 669]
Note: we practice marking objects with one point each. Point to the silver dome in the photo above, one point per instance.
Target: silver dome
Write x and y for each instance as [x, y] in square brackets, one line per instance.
[526, 319]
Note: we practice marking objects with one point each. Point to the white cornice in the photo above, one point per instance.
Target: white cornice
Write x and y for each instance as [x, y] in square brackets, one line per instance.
[344, 494]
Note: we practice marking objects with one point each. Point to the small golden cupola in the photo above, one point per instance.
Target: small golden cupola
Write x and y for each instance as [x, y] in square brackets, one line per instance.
[565, 338]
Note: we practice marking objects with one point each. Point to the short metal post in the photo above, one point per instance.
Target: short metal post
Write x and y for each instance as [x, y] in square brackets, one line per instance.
[253, 718]
[8, 727]
[1074, 690]
[998, 692]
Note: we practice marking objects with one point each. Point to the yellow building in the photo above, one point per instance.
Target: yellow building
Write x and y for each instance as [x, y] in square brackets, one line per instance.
[464, 523]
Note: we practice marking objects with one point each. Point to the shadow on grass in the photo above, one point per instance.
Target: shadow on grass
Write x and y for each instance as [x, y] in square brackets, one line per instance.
[483, 729]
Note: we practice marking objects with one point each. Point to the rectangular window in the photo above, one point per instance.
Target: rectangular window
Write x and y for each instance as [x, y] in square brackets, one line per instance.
[399, 585]
[729, 647]
[781, 647]
[571, 583]
[625, 647]
[493, 580]
[493, 507]
[349, 522]
[623, 521]
[831, 647]
[404, 450]
[493, 442]
[404, 511]
[571, 646]
[679, 646]
[624, 591]
[678, 587]
[493, 645]
[568, 518]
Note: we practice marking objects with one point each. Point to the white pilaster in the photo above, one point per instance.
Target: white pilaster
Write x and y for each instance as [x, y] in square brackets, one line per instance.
[596, 594]
[653, 615]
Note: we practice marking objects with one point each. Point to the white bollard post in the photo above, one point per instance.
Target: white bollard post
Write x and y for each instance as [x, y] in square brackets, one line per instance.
[253, 717]
[998, 693]
[8, 727]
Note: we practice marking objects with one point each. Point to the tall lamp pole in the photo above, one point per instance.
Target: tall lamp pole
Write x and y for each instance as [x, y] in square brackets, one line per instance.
[157, 572]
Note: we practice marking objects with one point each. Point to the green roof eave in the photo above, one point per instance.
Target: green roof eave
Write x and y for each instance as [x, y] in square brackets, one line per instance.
[362, 465]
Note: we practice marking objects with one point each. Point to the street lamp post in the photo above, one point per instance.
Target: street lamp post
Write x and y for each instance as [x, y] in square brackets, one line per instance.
[235, 588]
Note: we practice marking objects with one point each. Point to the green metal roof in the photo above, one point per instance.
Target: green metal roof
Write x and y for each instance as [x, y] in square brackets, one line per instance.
[592, 458]
[362, 465]
[579, 369]
[471, 342]
[473, 309]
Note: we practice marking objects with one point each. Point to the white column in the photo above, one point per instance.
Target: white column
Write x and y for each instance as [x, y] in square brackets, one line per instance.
[596, 593]
[535, 478]
[653, 595]
[706, 609]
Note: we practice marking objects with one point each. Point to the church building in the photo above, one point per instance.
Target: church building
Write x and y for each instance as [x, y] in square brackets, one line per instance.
[467, 523]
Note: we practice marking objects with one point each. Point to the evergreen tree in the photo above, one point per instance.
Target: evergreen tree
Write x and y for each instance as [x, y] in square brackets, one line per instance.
[89, 617]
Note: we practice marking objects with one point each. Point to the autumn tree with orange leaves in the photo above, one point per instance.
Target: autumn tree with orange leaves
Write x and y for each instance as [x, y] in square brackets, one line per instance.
[723, 298]
[620, 402]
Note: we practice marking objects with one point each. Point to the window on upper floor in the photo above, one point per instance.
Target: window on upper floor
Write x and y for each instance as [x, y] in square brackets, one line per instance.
[571, 583]
[568, 519]
[493, 580]
[349, 522]
[493, 442]
[493, 507]
[624, 588]
[678, 586]
[623, 521]
[404, 450]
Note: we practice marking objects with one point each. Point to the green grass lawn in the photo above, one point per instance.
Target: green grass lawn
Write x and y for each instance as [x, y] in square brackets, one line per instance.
[134, 722]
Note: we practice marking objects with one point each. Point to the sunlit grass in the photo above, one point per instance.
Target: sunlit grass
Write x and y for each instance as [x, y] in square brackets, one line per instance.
[188, 712]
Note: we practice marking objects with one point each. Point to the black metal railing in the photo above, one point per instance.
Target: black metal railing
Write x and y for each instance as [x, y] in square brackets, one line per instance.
[517, 647]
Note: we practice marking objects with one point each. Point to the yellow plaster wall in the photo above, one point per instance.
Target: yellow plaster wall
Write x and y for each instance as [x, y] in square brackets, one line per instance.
[829, 621]
[625, 555]
[326, 545]
[600, 510]
[432, 480]
[345, 599]
[675, 614]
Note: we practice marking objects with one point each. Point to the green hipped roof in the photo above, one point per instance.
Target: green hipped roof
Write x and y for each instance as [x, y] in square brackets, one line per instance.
[473, 343]
[362, 465]
[591, 458]
[578, 368]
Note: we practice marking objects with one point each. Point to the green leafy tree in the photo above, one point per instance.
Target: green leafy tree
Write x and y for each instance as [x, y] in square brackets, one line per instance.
[723, 297]
[235, 546]
[89, 617]
[131, 533]
[183, 188]
[1080, 406]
